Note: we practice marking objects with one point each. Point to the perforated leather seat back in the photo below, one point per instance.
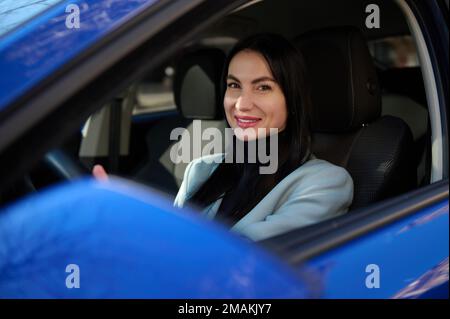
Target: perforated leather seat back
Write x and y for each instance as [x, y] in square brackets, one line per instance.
[348, 129]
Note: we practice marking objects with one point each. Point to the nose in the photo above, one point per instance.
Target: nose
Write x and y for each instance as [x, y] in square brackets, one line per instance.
[244, 102]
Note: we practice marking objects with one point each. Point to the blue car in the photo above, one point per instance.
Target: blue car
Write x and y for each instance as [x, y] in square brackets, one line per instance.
[106, 82]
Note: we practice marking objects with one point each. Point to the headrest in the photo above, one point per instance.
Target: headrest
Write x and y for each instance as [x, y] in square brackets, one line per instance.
[197, 84]
[345, 91]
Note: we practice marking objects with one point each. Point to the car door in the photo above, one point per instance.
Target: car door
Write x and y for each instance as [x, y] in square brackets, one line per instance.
[367, 254]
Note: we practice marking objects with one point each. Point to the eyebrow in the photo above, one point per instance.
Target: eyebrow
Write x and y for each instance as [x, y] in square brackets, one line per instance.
[261, 79]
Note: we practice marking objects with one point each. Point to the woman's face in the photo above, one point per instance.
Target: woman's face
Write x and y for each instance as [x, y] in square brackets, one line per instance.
[253, 99]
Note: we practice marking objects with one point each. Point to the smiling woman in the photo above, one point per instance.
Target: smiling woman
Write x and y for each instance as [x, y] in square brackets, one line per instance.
[265, 88]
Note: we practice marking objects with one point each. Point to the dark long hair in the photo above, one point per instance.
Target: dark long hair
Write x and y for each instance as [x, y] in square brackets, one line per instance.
[240, 183]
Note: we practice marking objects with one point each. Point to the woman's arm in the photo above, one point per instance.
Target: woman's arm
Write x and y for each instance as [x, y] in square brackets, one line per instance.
[182, 194]
[196, 173]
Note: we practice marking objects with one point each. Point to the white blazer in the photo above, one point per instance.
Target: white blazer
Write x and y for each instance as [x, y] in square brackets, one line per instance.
[315, 191]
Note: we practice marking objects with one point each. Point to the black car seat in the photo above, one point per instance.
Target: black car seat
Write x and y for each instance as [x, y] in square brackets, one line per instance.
[196, 93]
[348, 129]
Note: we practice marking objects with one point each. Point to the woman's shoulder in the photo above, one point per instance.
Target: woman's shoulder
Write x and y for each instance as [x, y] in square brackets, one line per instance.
[315, 191]
[319, 173]
[315, 164]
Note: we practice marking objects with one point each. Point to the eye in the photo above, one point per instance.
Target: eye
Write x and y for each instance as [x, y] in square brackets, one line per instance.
[264, 87]
[233, 85]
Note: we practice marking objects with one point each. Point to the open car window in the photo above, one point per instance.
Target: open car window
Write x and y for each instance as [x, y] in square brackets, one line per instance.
[130, 135]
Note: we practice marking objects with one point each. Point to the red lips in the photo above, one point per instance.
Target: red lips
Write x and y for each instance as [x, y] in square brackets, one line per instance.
[247, 121]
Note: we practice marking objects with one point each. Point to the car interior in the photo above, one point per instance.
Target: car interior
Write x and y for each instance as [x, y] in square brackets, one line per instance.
[370, 109]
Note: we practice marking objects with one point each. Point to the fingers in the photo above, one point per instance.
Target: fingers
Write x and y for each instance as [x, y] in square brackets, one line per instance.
[99, 173]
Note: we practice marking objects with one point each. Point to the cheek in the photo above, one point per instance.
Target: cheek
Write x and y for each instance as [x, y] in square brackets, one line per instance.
[276, 111]
[282, 118]
[228, 104]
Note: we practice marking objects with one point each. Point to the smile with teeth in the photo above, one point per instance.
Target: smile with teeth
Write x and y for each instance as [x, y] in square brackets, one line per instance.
[246, 121]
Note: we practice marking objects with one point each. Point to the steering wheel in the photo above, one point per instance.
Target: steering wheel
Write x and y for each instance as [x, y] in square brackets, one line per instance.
[61, 165]
[64, 166]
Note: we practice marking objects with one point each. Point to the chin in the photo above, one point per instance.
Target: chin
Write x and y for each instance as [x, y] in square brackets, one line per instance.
[248, 134]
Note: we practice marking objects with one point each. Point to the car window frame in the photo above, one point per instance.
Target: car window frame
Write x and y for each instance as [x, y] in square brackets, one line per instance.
[432, 79]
